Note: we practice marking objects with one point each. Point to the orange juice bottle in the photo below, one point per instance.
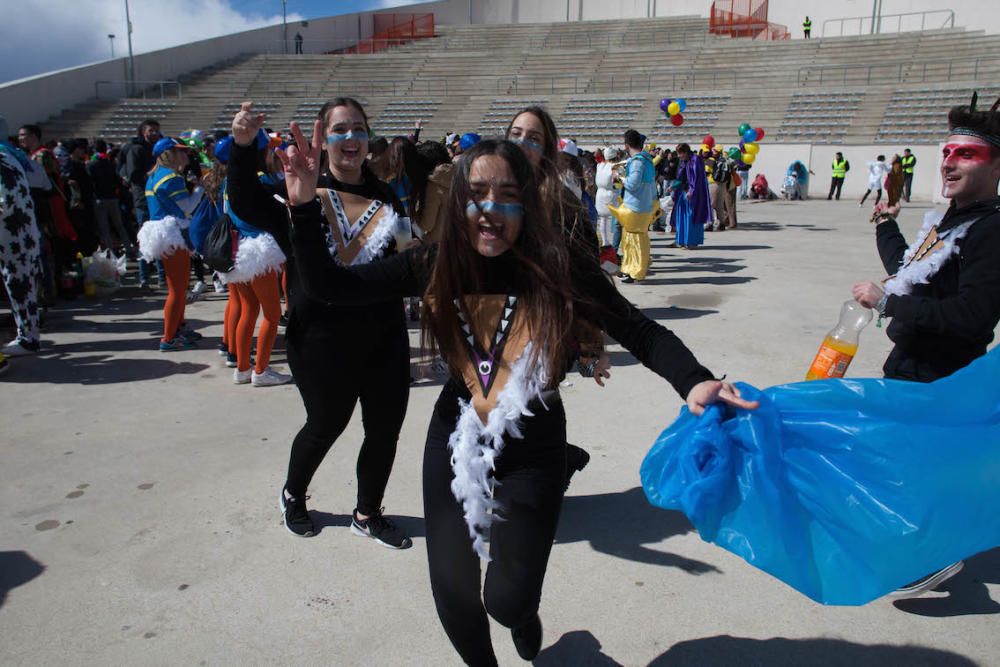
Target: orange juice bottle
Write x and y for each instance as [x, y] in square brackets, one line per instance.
[841, 343]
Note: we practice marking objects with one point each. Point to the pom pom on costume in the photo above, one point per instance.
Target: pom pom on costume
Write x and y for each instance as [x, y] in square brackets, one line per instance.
[843, 489]
[159, 238]
[255, 257]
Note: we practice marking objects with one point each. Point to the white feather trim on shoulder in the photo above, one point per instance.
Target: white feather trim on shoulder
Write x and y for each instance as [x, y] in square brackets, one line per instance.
[159, 238]
[255, 257]
[475, 447]
[379, 238]
[921, 271]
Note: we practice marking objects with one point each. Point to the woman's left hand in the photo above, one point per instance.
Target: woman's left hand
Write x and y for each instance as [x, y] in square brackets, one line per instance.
[602, 369]
[301, 164]
[715, 391]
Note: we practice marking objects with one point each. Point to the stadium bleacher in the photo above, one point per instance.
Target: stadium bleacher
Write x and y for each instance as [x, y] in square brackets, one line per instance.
[595, 83]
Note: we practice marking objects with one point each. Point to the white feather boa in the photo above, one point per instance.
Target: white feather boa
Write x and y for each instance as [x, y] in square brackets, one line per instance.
[377, 240]
[920, 272]
[159, 238]
[255, 257]
[475, 446]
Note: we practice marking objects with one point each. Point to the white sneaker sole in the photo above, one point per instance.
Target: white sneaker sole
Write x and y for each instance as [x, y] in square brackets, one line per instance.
[932, 583]
[361, 532]
[281, 506]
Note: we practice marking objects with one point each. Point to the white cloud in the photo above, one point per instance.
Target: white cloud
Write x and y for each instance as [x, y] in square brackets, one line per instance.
[42, 35]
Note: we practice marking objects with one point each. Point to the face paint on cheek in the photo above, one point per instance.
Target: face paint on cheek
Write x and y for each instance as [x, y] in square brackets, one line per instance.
[337, 137]
[509, 211]
[527, 144]
[975, 154]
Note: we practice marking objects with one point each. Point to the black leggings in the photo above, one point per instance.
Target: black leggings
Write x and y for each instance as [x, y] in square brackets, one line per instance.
[531, 475]
[878, 195]
[333, 370]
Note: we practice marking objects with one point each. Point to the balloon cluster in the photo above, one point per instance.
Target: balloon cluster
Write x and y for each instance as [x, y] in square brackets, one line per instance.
[673, 109]
[748, 148]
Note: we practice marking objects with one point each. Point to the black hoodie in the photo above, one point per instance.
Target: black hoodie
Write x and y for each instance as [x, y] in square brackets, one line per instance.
[944, 325]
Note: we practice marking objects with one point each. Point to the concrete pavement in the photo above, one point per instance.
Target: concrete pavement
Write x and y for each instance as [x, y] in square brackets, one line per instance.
[138, 496]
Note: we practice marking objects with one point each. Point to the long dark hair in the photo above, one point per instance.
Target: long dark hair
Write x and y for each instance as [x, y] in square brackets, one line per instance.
[540, 267]
[405, 161]
[561, 205]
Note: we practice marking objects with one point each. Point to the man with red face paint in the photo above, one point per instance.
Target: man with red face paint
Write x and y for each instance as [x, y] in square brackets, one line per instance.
[943, 290]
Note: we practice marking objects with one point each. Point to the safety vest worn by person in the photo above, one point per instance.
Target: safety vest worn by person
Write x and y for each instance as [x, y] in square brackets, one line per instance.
[807, 25]
[908, 162]
[839, 168]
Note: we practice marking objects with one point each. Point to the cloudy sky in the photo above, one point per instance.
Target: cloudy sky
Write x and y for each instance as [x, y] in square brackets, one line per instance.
[43, 35]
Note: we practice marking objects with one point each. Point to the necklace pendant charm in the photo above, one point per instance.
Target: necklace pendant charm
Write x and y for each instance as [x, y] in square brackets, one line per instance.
[485, 367]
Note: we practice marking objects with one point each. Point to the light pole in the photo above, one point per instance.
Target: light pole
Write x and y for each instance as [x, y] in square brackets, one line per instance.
[131, 59]
[111, 38]
[284, 26]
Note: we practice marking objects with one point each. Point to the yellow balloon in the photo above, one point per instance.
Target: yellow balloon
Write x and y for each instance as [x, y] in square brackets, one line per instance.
[751, 148]
[673, 108]
[749, 158]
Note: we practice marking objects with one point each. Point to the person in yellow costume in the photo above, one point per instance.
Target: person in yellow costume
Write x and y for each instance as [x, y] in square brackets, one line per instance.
[638, 210]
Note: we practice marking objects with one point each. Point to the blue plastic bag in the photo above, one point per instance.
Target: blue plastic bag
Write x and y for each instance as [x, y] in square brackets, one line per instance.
[843, 489]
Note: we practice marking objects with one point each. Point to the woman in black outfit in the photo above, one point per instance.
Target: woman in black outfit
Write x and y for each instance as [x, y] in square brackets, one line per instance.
[502, 294]
[338, 354]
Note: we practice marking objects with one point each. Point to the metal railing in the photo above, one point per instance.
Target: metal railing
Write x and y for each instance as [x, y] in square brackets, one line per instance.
[900, 71]
[140, 89]
[876, 23]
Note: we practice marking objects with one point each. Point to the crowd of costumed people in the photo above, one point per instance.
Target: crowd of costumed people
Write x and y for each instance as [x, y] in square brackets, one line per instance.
[502, 248]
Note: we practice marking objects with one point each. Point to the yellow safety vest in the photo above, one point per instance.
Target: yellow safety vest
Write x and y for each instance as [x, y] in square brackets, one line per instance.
[839, 168]
[807, 25]
[908, 164]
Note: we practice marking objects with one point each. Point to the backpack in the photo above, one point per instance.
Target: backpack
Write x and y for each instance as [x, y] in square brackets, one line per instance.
[722, 171]
[221, 244]
[203, 218]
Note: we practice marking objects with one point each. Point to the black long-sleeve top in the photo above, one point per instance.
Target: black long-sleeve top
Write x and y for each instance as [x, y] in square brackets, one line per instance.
[253, 202]
[945, 324]
[408, 273]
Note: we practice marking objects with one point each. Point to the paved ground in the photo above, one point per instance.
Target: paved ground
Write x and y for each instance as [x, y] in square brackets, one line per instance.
[138, 518]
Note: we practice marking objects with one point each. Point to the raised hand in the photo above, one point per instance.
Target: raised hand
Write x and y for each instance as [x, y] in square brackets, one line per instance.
[246, 124]
[301, 164]
[715, 391]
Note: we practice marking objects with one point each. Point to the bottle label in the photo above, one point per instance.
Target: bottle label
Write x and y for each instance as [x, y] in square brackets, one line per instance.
[830, 363]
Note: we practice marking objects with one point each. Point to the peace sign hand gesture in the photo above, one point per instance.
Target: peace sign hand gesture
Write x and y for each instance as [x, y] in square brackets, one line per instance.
[301, 164]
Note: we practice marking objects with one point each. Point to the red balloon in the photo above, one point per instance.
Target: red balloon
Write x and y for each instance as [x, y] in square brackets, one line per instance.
[760, 133]
[677, 120]
[709, 141]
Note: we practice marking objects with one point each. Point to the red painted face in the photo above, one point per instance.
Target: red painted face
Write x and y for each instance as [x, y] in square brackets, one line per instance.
[967, 152]
[969, 170]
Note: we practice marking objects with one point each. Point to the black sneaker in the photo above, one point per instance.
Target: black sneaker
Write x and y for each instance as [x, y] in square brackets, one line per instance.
[283, 322]
[929, 582]
[295, 515]
[380, 529]
[577, 459]
[528, 638]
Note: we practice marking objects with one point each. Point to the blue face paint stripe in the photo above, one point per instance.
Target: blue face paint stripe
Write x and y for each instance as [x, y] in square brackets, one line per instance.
[506, 210]
[336, 137]
[526, 143]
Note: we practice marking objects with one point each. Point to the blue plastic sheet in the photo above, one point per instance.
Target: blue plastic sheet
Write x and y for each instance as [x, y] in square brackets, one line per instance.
[843, 489]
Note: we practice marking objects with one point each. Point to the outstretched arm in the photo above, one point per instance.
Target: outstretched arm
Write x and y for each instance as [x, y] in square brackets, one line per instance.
[658, 348]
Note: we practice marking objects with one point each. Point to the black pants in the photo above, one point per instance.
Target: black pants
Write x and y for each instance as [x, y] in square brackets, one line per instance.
[531, 475]
[907, 185]
[836, 183]
[878, 195]
[366, 359]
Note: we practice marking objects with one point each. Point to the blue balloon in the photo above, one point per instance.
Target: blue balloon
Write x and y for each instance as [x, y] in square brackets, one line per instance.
[750, 135]
[682, 103]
